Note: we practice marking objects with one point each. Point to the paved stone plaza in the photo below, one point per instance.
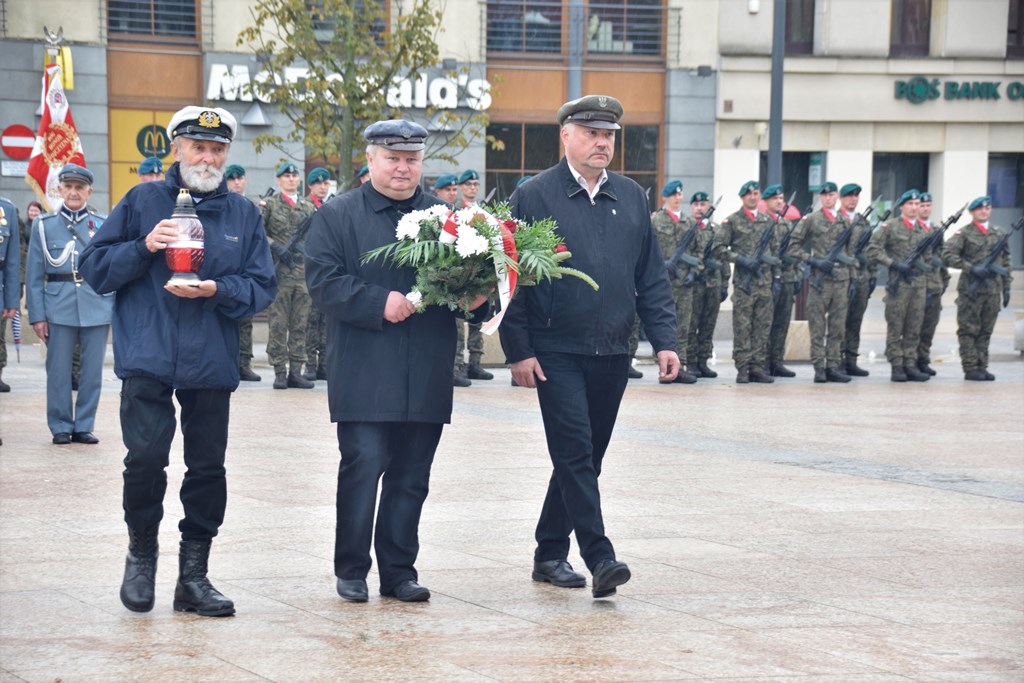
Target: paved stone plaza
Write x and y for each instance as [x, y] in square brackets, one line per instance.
[788, 533]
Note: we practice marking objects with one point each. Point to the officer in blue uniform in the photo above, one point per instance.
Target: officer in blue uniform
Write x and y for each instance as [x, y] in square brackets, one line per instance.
[64, 310]
[10, 275]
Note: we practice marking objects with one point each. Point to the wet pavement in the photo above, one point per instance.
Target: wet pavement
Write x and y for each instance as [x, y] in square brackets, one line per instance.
[868, 532]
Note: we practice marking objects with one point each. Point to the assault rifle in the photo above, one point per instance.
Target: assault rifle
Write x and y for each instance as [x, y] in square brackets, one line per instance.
[759, 256]
[286, 255]
[858, 253]
[837, 253]
[672, 264]
[692, 275]
[989, 267]
[904, 270]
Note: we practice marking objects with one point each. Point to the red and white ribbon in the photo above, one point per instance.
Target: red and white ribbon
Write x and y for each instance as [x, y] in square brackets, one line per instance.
[507, 279]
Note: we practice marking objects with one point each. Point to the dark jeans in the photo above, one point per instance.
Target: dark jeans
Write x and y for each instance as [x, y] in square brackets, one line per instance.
[579, 403]
[401, 452]
[147, 427]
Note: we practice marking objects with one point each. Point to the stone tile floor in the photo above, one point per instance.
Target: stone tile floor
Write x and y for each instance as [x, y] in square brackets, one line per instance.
[791, 533]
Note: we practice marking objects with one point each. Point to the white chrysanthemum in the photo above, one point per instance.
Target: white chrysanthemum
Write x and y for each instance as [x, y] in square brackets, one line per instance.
[464, 216]
[408, 227]
[470, 242]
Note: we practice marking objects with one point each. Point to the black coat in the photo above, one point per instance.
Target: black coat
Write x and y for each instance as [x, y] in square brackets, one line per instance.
[611, 240]
[377, 371]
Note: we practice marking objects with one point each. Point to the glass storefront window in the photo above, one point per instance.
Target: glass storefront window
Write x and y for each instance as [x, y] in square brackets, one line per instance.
[1006, 180]
[894, 174]
[911, 28]
[524, 26]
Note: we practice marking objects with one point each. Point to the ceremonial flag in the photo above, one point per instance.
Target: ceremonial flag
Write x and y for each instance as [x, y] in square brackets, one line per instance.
[57, 143]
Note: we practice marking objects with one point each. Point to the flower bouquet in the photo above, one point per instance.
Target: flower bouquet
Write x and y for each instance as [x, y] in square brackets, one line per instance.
[460, 255]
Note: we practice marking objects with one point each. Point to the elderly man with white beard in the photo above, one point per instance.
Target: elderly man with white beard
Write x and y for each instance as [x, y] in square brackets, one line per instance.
[173, 340]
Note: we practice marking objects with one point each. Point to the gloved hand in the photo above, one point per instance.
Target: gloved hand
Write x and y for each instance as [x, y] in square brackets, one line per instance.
[776, 288]
[1006, 297]
[851, 289]
[822, 264]
[796, 287]
[871, 285]
[723, 293]
[283, 257]
[936, 262]
[746, 263]
[862, 260]
[981, 272]
[901, 268]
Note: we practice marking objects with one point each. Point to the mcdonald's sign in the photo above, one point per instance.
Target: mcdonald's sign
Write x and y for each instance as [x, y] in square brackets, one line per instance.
[153, 141]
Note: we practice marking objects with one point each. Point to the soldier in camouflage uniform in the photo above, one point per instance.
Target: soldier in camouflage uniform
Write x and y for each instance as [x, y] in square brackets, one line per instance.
[319, 182]
[815, 236]
[283, 214]
[935, 284]
[671, 229]
[234, 175]
[469, 186]
[976, 317]
[785, 285]
[890, 245]
[862, 280]
[751, 311]
[711, 290]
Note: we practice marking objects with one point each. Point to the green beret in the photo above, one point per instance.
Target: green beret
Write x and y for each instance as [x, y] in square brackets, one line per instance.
[363, 171]
[979, 202]
[446, 180]
[700, 197]
[672, 187]
[286, 167]
[926, 197]
[75, 172]
[318, 175]
[748, 187]
[523, 180]
[593, 111]
[467, 175]
[848, 189]
[828, 186]
[234, 171]
[907, 196]
[772, 191]
[151, 165]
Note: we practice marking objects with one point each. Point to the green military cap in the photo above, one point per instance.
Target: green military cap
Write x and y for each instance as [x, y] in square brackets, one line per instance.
[446, 180]
[234, 171]
[907, 196]
[672, 187]
[593, 111]
[849, 188]
[318, 175]
[749, 186]
[979, 202]
[523, 180]
[363, 171]
[467, 175]
[397, 134]
[925, 197]
[772, 191]
[286, 167]
[75, 172]
[700, 197]
[151, 165]
[828, 186]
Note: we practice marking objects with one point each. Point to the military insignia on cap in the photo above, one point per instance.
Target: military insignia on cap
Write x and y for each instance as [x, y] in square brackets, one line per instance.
[209, 119]
[602, 101]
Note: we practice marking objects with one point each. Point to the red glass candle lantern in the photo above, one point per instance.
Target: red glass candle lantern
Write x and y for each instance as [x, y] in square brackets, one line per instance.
[185, 255]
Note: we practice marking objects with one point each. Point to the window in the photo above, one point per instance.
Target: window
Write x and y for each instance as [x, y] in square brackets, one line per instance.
[799, 27]
[894, 174]
[524, 26]
[368, 15]
[164, 18]
[911, 28]
[1015, 31]
[632, 27]
[1006, 180]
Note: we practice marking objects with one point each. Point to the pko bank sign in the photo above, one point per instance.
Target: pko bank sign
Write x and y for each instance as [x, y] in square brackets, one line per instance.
[920, 89]
[233, 83]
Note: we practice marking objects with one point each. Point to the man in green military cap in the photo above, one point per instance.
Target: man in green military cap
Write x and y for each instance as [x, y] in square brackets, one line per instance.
[815, 237]
[737, 242]
[862, 280]
[890, 245]
[936, 282]
[469, 335]
[151, 169]
[469, 186]
[711, 290]
[979, 288]
[284, 212]
[234, 176]
[788, 278]
[446, 188]
[318, 181]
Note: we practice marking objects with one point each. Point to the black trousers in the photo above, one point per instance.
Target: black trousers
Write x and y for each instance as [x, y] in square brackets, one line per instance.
[579, 403]
[401, 453]
[147, 427]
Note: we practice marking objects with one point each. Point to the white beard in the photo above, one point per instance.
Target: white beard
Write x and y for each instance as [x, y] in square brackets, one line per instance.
[201, 177]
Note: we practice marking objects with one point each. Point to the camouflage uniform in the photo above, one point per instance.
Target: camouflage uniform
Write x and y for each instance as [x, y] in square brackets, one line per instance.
[707, 299]
[935, 284]
[862, 282]
[316, 332]
[975, 318]
[245, 332]
[739, 236]
[288, 315]
[904, 309]
[790, 273]
[476, 343]
[670, 231]
[828, 295]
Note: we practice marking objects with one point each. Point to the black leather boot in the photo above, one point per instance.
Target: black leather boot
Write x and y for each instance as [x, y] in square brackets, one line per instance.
[705, 371]
[476, 371]
[296, 380]
[310, 373]
[280, 379]
[137, 591]
[194, 592]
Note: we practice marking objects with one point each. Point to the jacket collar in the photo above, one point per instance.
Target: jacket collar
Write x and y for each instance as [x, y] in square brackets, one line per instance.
[572, 187]
[379, 202]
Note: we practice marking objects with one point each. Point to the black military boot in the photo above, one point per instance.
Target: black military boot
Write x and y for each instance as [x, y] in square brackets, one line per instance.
[476, 371]
[989, 377]
[780, 370]
[685, 377]
[975, 375]
[4, 387]
[194, 592]
[296, 380]
[246, 374]
[460, 377]
[310, 373]
[743, 376]
[137, 592]
[819, 376]
[705, 371]
[321, 368]
[915, 375]
[633, 373]
[898, 374]
[854, 370]
[836, 375]
[280, 379]
[923, 366]
[760, 376]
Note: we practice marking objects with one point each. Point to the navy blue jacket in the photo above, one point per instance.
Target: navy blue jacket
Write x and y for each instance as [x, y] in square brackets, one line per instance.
[186, 343]
[611, 240]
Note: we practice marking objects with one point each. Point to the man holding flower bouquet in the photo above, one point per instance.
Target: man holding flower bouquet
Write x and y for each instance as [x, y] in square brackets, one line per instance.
[572, 342]
[389, 375]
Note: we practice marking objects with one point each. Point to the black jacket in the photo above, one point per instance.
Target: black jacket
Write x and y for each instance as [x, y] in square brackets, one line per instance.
[377, 371]
[612, 241]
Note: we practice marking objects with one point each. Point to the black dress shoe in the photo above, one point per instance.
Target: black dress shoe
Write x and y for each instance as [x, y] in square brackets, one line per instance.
[835, 375]
[634, 373]
[409, 591]
[62, 438]
[353, 590]
[558, 573]
[84, 437]
[607, 575]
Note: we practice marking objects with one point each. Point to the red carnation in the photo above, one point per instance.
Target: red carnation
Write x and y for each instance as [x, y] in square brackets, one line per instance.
[510, 225]
[559, 248]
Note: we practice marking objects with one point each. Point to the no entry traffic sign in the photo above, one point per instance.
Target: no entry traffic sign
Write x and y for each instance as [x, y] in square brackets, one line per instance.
[17, 141]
